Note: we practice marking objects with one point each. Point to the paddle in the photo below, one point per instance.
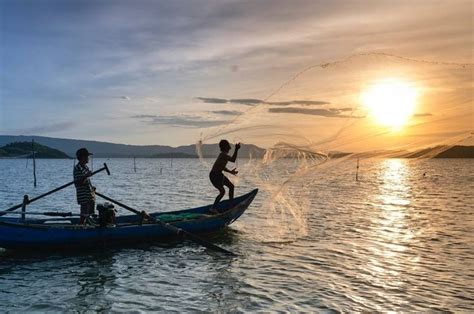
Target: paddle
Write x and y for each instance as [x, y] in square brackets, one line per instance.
[176, 230]
[53, 214]
[53, 191]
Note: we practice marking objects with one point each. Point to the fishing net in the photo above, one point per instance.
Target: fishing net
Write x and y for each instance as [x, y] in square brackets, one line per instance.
[331, 114]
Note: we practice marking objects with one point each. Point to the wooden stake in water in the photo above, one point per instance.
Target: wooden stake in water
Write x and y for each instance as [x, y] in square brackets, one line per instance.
[134, 165]
[357, 170]
[23, 207]
[34, 162]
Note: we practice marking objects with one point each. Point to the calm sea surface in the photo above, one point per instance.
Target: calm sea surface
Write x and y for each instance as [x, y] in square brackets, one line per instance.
[401, 238]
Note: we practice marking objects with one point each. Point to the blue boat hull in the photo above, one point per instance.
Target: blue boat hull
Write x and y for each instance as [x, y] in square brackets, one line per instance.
[38, 234]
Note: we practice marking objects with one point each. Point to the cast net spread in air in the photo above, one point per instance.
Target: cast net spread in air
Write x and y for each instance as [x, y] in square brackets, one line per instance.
[334, 114]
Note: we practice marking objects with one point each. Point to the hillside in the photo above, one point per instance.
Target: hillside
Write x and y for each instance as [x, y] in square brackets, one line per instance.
[24, 150]
[457, 152]
[442, 152]
[173, 155]
[112, 150]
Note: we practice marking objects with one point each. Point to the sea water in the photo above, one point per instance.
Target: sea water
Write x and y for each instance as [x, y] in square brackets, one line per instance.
[400, 238]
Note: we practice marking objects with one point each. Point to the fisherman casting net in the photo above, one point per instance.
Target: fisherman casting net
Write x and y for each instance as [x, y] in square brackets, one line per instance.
[332, 114]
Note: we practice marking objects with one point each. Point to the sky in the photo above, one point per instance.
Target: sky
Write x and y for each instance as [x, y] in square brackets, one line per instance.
[171, 72]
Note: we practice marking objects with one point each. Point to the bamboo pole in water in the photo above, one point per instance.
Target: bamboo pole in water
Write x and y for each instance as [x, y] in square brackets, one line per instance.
[357, 170]
[134, 165]
[23, 207]
[34, 162]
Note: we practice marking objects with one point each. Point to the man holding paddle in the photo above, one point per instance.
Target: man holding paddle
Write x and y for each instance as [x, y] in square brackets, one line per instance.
[85, 192]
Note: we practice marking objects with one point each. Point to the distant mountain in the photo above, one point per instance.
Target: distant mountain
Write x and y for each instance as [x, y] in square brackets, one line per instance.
[173, 155]
[457, 151]
[212, 150]
[443, 152]
[112, 150]
[25, 150]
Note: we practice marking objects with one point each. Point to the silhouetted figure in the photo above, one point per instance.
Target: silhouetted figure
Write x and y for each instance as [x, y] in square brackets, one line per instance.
[217, 176]
[85, 192]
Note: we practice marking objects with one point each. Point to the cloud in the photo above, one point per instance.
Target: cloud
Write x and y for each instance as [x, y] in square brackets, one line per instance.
[187, 121]
[442, 134]
[178, 49]
[212, 100]
[227, 112]
[253, 102]
[300, 102]
[144, 116]
[49, 128]
[420, 115]
[330, 113]
[246, 101]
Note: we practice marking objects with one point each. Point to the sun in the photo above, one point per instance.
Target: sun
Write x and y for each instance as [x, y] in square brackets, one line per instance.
[391, 102]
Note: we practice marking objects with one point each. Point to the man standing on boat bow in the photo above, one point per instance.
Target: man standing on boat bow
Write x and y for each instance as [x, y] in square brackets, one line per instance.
[84, 190]
[217, 177]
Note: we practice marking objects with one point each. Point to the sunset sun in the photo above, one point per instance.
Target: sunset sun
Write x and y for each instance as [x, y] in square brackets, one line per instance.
[390, 102]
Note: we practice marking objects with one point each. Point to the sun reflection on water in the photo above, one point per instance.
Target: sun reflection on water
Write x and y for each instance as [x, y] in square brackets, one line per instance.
[389, 230]
[394, 191]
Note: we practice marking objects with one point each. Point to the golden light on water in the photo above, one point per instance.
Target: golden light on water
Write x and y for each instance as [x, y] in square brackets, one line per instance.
[389, 224]
[391, 102]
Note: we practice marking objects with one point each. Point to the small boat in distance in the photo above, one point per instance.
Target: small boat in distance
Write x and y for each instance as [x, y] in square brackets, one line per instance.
[67, 234]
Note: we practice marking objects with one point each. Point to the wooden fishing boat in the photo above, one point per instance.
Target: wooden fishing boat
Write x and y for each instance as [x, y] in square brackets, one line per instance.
[66, 234]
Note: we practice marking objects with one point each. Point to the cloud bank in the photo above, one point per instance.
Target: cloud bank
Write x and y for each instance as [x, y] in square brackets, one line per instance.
[180, 120]
[329, 113]
[254, 102]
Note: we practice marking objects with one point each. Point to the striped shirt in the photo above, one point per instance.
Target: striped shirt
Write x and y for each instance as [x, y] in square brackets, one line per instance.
[84, 190]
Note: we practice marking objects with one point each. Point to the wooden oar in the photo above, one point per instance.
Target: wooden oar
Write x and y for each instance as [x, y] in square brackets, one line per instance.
[174, 229]
[53, 191]
[53, 214]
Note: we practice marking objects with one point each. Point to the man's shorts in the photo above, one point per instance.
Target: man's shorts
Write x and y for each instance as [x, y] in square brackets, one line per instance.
[87, 209]
[218, 180]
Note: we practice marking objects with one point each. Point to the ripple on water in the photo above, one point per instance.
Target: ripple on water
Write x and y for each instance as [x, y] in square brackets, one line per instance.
[392, 241]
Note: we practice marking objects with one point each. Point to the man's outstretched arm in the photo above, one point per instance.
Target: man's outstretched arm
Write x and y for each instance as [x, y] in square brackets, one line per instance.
[234, 156]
